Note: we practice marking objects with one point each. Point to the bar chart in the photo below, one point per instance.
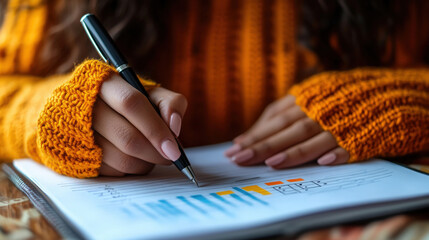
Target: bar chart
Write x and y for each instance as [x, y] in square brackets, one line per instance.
[245, 198]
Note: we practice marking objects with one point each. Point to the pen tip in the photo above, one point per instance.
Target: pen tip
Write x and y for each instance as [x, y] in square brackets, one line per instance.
[190, 174]
[196, 183]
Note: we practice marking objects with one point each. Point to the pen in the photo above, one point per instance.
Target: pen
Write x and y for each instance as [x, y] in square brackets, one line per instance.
[105, 46]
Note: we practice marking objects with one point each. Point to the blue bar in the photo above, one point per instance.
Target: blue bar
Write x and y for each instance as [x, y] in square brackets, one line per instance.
[160, 210]
[183, 199]
[172, 208]
[127, 211]
[220, 198]
[240, 199]
[250, 196]
[209, 203]
[141, 209]
[165, 208]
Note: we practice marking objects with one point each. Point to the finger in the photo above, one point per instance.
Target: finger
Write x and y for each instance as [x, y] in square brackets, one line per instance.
[123, 135]
[136, 108]
[277, 107]
[119, 161]
[298, 132]
[303, 152]
[271, 126]
[105, 170]
[272, 110]
[262, 131]
[336, 156]
[172, 107]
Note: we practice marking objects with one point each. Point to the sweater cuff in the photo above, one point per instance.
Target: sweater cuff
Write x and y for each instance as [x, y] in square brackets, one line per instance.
[65, 138]
[370, 112]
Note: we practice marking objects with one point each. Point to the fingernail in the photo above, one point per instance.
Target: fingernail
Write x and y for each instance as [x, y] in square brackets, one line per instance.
[275, 160]
[327, 159]
[170, 150]
[243, 156]
[232, 150]
[175, 123]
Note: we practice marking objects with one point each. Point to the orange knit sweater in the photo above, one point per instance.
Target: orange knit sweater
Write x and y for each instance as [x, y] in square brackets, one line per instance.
[230, 59]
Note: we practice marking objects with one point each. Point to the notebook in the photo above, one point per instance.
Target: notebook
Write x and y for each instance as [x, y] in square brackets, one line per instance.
[232, 202]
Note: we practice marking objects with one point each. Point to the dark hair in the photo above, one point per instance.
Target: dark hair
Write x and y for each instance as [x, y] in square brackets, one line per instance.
[66, 44]
[351, 33]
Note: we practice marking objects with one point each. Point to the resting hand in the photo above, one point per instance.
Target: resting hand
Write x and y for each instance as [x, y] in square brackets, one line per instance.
[132, 135]
[284, 137]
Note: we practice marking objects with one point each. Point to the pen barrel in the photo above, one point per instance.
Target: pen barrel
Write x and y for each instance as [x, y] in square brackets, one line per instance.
[105, 46]
[130, 76]
[183, 161]
[102, 40]
[183, 156]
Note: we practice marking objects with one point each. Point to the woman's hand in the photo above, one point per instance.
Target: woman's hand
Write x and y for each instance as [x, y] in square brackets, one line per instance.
[132, 135]
[284, 137]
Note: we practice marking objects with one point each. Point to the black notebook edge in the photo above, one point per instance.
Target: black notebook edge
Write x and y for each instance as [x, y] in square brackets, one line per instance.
[287, 227]
[41, 202]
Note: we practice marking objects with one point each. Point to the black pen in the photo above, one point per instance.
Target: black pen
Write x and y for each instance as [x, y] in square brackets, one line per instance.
[105, 46]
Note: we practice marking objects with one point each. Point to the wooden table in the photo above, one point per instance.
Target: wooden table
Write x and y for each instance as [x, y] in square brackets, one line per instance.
[18, 217]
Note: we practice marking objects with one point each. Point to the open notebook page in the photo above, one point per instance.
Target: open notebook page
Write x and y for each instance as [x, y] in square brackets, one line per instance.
[165, 204]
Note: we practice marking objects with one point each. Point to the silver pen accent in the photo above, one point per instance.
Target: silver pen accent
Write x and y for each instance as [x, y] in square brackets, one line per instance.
[190, 174]
[122, 67]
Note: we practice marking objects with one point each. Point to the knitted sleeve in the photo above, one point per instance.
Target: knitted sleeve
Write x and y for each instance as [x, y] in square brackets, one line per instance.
[371, 112]
[50, 119]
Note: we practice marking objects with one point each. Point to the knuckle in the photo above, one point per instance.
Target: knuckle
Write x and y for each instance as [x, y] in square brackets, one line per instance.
[180, 98]
[129, 164]
[147, 168]
[127, 139]
[300, 153]
[270, 109]
[248, 140]
[125, 163]
[307, 126]
[129, 144]
[129, 100]
[329, 137]
[296, 110]
[154, 134]
[265, 148]
[284, 120]
[343, 155]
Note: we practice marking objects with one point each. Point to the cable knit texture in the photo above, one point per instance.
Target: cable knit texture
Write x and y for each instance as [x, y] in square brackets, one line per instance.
[370, 112]
[64, 130]
[65, 136]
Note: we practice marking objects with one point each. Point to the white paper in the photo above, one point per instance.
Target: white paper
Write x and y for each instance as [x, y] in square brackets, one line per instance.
[165, 204]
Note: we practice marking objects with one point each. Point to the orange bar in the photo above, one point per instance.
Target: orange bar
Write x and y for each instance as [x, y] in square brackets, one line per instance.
[225, 193]
[273, 183]
[256, 188]
[295, 180]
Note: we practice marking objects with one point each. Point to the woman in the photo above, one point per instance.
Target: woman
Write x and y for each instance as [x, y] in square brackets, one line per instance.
[229, 59]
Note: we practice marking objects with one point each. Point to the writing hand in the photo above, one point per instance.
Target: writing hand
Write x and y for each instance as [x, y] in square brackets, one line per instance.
[283, 137]
[132, 135]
